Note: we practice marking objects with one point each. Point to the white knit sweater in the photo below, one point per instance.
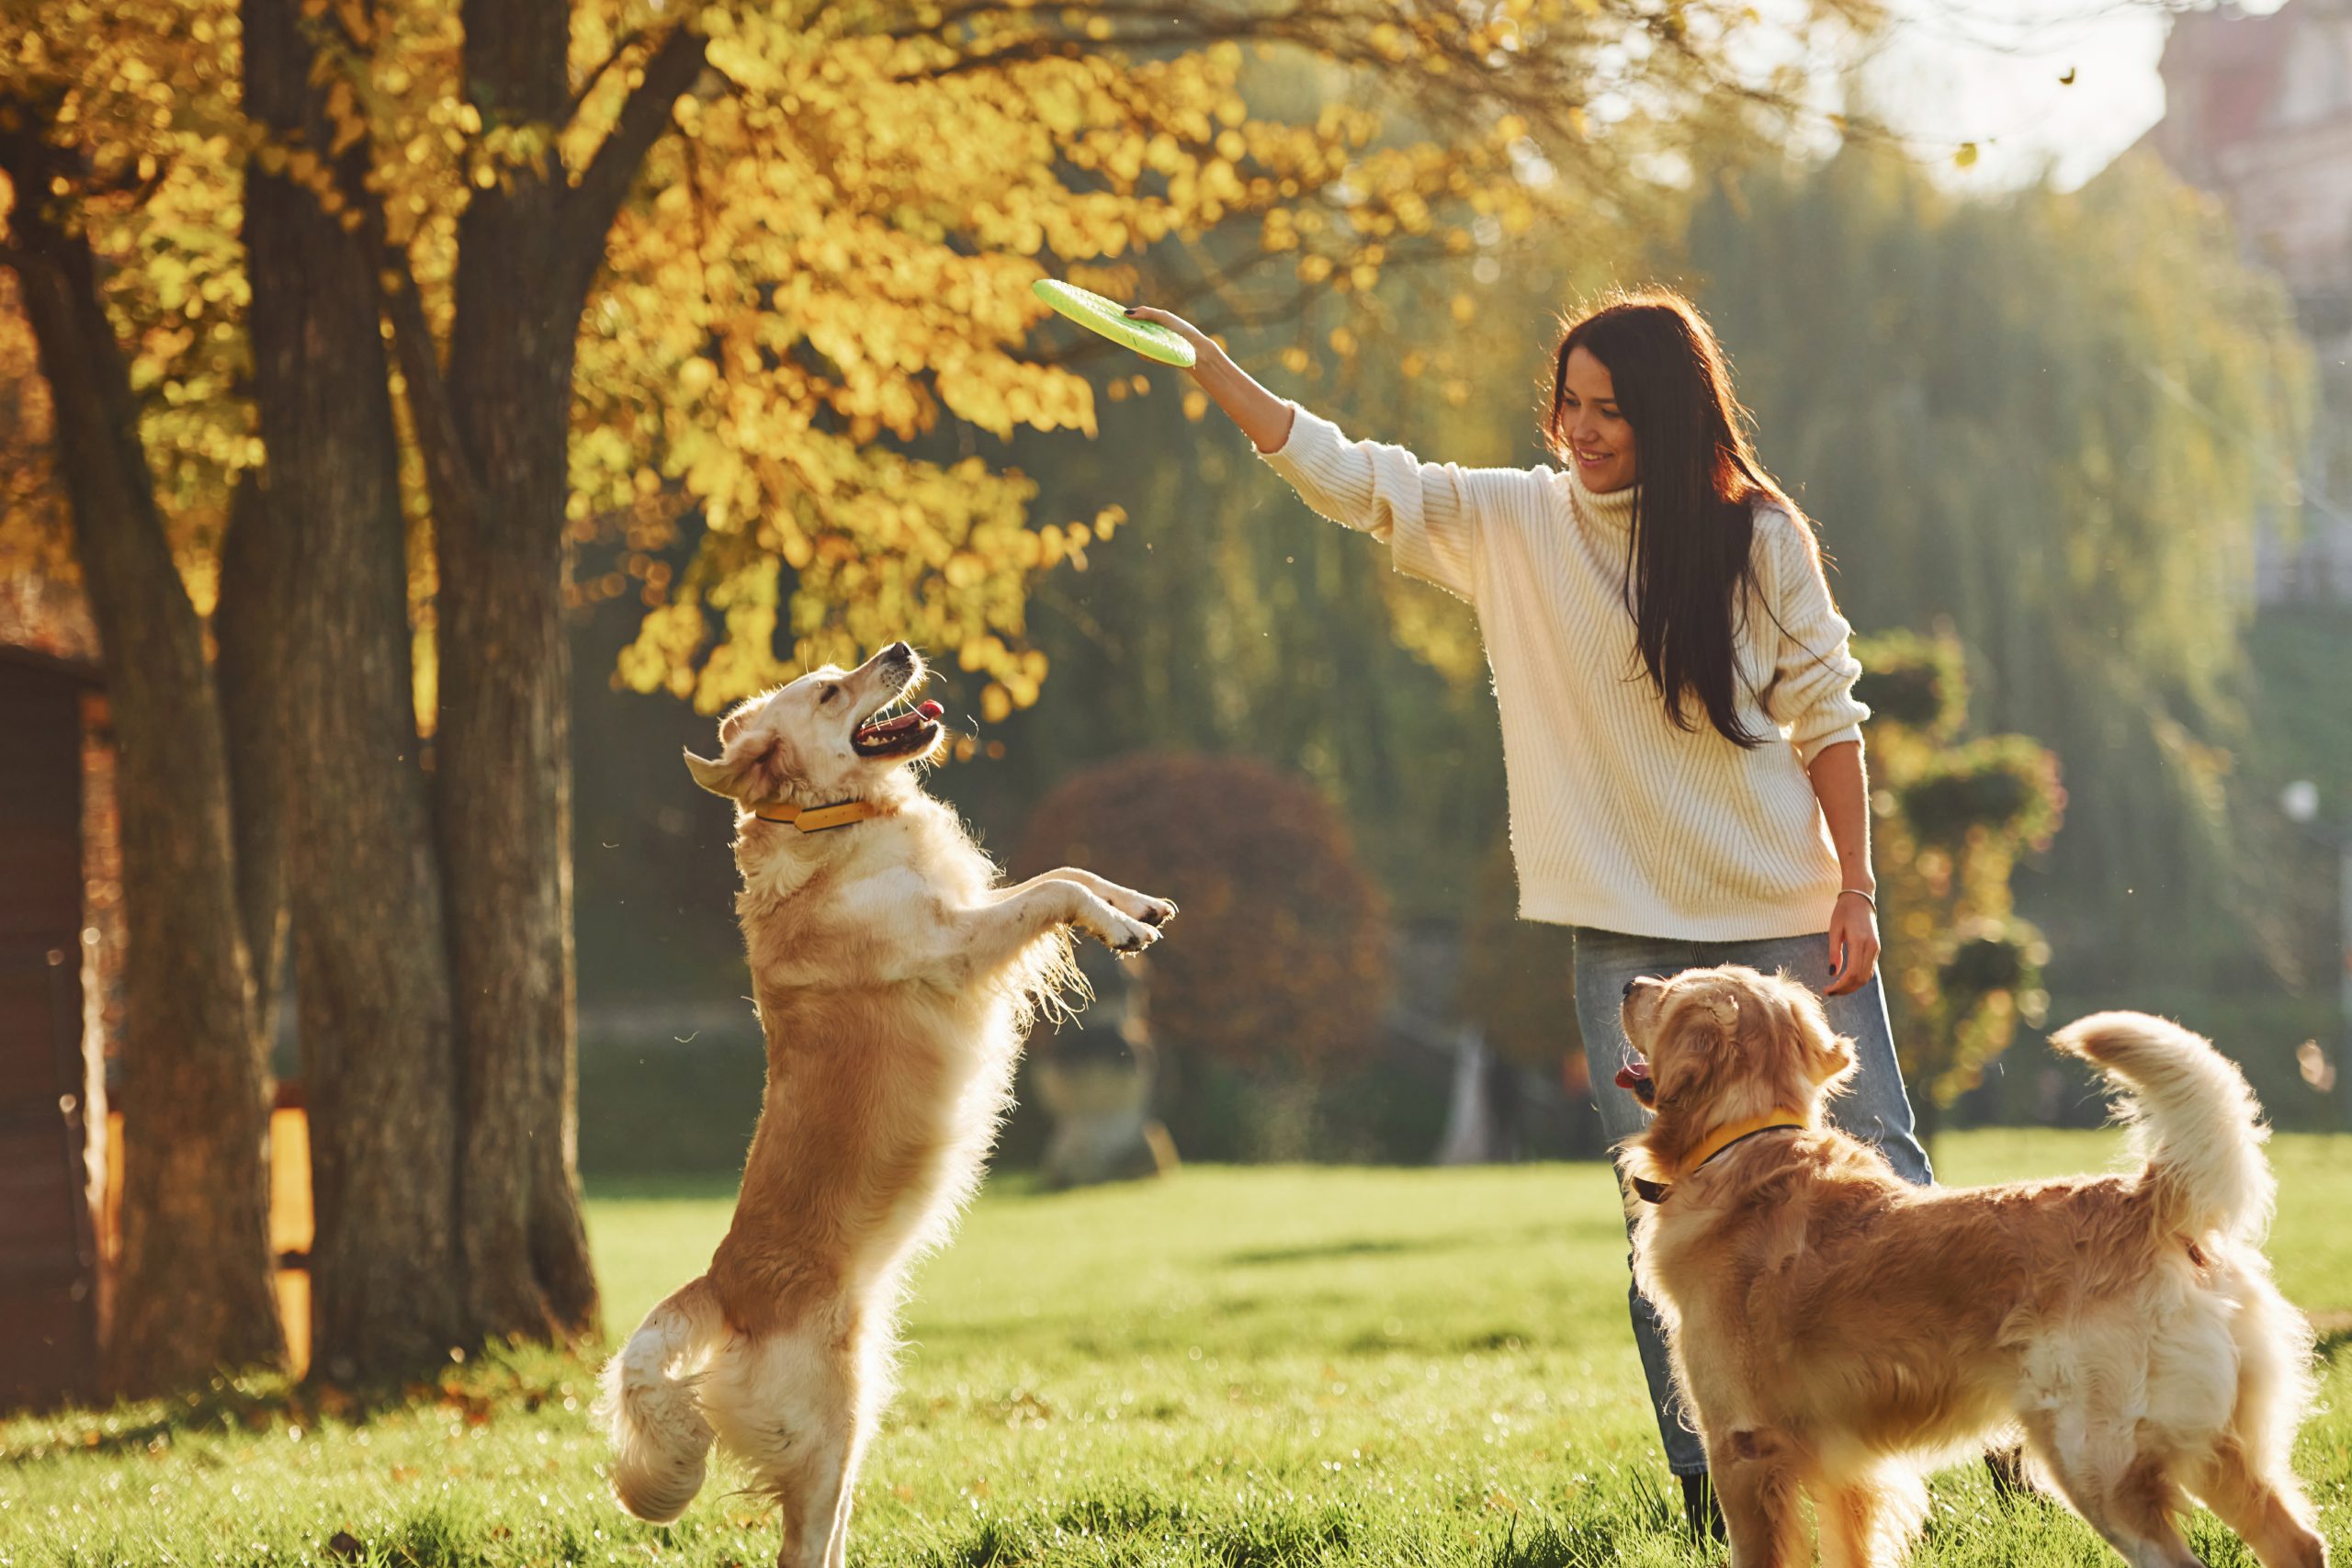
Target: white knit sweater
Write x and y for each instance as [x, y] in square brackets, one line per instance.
[1618, 821]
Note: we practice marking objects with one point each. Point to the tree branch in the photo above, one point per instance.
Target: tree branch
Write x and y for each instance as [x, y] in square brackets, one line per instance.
[629, 40]
[589, 209]
[449, 478]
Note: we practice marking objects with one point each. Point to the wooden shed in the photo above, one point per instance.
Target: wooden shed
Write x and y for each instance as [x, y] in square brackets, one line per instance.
[52, 1122]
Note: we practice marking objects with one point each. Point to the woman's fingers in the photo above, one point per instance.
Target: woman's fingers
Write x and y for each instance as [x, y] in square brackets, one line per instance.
[1173, 323]
[1853, 952]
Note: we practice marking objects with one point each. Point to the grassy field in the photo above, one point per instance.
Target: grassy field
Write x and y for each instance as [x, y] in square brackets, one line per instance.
[1239, 1368]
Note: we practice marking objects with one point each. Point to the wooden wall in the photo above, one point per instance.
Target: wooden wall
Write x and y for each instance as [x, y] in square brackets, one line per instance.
[48, 1258]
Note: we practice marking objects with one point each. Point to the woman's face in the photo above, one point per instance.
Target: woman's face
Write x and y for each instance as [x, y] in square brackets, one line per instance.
[1600, 443]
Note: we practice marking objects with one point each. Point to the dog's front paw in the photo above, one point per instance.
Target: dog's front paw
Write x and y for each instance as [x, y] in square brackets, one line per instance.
[1124, 935]
[1138, 906]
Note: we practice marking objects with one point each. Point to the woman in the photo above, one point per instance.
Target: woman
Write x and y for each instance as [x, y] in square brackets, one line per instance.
[1682, 743]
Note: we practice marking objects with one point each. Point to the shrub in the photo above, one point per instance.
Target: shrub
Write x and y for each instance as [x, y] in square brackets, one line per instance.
[1280, 955]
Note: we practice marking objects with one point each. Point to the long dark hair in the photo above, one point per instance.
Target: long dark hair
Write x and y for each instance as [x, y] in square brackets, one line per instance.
[1688, 564]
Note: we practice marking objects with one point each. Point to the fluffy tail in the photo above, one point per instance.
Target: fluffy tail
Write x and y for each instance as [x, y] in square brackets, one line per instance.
[659, 1437]
[2196, 1122]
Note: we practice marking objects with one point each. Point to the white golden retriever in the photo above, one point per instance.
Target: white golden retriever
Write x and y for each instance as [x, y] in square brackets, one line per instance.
[1839, 1331]
[895, 982]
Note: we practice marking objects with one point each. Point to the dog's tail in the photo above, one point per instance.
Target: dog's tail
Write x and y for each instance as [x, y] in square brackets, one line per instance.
[659, 1436]
[2197, 1124]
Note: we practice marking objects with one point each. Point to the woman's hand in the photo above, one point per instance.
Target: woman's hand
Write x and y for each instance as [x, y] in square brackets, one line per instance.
[1202, 345]
[1265, 418]
[1853, 944]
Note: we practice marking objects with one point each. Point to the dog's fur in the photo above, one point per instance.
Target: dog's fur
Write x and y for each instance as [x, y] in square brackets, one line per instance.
[1838, 1332]
[895, 982]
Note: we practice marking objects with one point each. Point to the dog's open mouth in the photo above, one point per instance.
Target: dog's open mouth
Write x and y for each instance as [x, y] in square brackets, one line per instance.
[900, 736]
[1635, 1077]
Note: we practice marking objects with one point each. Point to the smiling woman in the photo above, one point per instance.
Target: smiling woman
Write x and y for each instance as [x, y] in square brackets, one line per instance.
[1681, 742]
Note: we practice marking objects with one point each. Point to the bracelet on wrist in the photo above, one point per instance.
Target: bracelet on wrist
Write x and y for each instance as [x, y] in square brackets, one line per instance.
[1864, 894]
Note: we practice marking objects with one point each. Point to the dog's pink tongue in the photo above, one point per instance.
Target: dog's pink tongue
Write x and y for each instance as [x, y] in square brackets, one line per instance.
[929, 710]
[1632, 1073]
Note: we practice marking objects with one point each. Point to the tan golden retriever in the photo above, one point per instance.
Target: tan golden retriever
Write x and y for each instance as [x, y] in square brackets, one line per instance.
[1838, 1332]
[895, 982]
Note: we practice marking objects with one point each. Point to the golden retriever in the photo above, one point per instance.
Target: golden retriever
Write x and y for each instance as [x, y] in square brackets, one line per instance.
[1838, 1332]
[894, 983]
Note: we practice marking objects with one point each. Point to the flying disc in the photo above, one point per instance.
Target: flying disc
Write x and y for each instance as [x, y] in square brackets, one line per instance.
[1109, 319]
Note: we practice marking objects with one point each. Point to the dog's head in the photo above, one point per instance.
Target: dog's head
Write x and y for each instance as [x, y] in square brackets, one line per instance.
[1719, 1046]
[825, 736]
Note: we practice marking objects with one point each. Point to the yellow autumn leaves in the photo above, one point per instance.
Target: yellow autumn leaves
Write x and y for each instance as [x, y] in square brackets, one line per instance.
[812, 325]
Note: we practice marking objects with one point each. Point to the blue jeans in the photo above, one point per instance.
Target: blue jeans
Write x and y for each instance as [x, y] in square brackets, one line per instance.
[1874, 1107]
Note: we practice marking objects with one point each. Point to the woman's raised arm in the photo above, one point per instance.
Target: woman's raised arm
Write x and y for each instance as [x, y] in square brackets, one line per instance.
[1265, 418]
[1434, 517]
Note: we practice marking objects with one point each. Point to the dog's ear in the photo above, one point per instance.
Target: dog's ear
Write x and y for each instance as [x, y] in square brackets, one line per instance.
[715, 776]
[1826, 1057]
[752, 771]
[1834, 1060]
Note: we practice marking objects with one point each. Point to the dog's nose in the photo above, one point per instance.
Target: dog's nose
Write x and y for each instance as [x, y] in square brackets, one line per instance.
[899, 653]
[1629, 990]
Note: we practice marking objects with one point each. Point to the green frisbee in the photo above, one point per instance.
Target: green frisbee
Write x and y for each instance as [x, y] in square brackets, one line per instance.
[1110, 317]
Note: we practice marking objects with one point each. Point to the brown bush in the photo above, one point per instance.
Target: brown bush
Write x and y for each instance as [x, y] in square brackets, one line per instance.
[1281, 953]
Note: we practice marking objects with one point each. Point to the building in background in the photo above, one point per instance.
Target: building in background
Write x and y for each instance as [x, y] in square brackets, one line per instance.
[2258, 111]
[56, 837]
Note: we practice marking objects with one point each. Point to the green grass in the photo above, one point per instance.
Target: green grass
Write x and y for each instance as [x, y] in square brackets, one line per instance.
[1236, 1367]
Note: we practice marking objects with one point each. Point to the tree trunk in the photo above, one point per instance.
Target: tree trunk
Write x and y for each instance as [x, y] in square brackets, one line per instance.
[249, 644]
[497, 436]
[372, 984]
[505, 771]
[194, 1292]
[503, 740]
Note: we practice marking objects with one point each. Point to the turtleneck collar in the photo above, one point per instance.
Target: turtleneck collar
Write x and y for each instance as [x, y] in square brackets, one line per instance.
[1613, 511]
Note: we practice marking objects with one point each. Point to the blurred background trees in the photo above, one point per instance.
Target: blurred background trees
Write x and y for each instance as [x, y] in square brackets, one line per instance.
[2055, 420]
[1951, 817]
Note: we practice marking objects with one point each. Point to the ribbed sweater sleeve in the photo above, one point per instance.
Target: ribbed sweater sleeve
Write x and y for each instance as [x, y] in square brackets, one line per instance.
[1432, 516]
[1812, 691]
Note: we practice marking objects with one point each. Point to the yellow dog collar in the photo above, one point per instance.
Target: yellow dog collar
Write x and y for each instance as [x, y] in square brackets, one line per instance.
[817, 818]
[1717, 1142]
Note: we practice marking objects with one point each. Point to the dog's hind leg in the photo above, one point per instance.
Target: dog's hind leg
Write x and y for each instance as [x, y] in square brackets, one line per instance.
[809, 1473]
[1756, 1476]
[1870, 1517]
[2123, 1493]
[871, 1346]
[785, 1405]
[2269, 1513]
[2245, 1480]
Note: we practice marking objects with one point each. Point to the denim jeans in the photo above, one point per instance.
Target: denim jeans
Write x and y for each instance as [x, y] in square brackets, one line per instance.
[1874, 1107]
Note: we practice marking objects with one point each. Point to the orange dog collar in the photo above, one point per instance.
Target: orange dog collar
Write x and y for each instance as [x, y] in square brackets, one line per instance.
[817, 818]
[1716, 1143]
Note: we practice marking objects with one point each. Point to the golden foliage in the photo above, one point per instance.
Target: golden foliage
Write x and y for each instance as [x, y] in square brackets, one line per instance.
[817, 297]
